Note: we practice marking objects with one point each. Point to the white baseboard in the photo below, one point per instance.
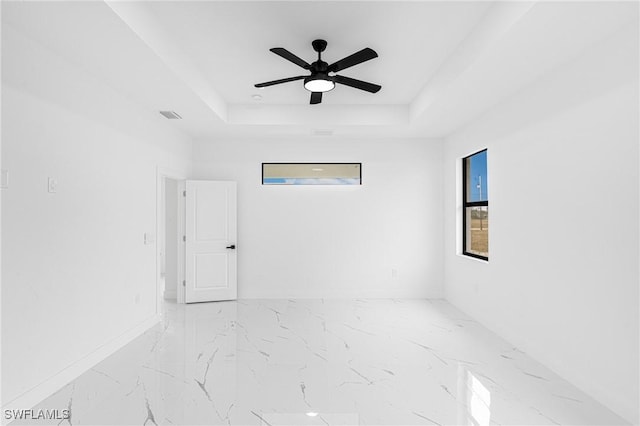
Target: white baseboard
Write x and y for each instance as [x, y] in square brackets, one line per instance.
[48, 387]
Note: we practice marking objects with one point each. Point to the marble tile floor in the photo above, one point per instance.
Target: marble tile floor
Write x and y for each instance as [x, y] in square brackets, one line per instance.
[322, 362]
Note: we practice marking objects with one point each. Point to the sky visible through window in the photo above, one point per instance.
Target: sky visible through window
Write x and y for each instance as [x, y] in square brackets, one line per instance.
[478, 177]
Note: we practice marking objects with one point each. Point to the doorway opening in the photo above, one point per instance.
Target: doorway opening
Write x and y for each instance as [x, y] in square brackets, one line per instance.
[169, 242]
[170, 229]
[196, 244]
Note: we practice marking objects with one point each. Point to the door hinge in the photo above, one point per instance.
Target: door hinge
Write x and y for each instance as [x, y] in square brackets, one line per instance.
[184, 283]
[184, 238]
[184, 193]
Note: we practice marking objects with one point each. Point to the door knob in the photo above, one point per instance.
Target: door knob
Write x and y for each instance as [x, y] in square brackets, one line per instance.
[232, 247]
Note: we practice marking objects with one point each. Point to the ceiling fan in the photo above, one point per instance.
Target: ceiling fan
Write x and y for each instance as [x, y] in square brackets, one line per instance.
[319, 81]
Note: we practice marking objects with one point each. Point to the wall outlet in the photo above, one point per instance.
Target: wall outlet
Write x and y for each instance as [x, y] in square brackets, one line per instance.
[394, 272]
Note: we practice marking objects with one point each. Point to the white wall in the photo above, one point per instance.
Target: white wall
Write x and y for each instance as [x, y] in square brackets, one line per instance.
[76, 273]
[562, 279]
[335, 242]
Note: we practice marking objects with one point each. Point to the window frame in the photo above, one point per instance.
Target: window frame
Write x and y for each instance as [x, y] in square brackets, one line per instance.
[311, 164]
[466, 204]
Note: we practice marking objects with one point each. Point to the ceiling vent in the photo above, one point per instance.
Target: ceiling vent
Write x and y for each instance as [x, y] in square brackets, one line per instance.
[171, 115]
[322, 132]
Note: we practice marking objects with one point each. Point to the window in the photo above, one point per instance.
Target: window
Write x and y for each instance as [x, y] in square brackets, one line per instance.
[475, 202]
[311, 173]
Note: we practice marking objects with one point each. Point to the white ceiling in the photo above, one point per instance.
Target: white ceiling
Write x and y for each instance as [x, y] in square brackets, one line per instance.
[233, 40]
[441, 64]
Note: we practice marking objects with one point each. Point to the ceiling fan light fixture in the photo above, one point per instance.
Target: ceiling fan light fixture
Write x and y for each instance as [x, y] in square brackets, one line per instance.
[319, 84]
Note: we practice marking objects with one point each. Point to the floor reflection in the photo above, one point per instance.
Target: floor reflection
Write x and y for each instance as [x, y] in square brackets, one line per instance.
[475, 399]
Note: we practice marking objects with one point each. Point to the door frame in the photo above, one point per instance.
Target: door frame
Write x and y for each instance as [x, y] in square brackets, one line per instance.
[163, 173]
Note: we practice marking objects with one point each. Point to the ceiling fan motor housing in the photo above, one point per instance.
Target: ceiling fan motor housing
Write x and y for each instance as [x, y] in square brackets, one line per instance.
[319, 67]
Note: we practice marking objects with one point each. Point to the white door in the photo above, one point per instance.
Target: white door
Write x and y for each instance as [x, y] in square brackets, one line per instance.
[210, 246]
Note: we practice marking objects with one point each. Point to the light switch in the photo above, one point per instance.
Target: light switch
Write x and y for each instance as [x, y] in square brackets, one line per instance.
[52, 185]
[149, 238]
[4, 179]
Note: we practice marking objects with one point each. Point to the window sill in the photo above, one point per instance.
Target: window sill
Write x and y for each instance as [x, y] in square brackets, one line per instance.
[473, 258]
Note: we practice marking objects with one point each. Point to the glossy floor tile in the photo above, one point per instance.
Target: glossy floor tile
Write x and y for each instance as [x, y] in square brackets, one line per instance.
[315, 362]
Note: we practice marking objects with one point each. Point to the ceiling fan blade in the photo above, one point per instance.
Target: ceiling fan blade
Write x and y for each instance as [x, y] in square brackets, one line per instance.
[284, 80]
[316, 98]
[358, 84]
[280, 51]
[355, 59]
